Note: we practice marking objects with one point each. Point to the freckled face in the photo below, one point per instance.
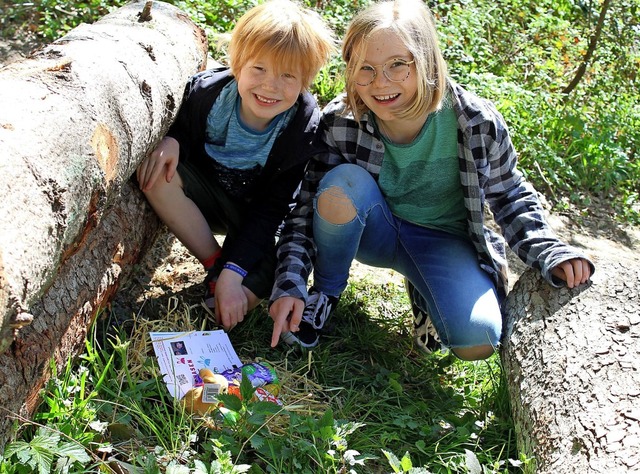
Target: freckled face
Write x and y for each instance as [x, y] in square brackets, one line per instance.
[384, 97]
[266, 91]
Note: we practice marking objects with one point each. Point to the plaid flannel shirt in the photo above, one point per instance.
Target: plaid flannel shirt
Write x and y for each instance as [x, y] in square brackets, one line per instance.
[488, 173]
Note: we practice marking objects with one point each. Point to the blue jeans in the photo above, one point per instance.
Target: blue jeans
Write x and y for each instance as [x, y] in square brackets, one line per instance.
[457, 294]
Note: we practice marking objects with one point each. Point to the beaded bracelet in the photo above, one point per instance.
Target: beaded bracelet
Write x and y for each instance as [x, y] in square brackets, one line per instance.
[235, 268]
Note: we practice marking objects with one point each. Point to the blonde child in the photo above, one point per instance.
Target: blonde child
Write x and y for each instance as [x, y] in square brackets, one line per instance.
[234, 157]
[410, 158]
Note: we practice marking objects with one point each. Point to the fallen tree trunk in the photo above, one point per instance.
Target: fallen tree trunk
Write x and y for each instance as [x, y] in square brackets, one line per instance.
[571, 358]
[76, 119]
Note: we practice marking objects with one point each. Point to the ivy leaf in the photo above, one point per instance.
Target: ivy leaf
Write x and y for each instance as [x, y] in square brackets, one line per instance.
[406, 462]
[174, 468]
[473, 465]
[17, 447]
[325, 426]
[256, 419]
[43, 458]
[268, 408]
[75, 452]
[394, 462]
[230, 401]
[257, 441]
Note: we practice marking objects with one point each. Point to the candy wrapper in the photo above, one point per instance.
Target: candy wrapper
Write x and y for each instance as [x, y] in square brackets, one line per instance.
[203, 397]
[261, 375]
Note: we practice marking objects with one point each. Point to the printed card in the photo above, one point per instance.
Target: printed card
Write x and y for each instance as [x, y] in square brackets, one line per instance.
[181, 355]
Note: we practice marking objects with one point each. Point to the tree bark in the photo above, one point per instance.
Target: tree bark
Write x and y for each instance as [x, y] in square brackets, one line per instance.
[571, 359]
[76, 119]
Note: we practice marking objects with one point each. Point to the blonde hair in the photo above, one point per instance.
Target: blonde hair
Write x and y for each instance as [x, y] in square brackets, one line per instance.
[292, 36]
[413, 23]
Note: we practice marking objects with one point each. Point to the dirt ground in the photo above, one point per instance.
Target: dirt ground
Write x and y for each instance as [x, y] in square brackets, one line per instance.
[169, 272]
[16, 48]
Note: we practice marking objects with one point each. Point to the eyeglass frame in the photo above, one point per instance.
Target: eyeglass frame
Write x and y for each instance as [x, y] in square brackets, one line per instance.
[375, 72]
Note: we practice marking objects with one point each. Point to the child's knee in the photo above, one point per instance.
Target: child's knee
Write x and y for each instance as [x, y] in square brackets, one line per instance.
[334, 206]
[474, 353]
[153, 193]
[160, 190]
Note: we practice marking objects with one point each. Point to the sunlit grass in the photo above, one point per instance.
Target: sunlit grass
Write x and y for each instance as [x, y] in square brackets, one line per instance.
[361, 400]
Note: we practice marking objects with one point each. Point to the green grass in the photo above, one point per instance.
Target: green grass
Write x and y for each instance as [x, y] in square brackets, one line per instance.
[365, 401]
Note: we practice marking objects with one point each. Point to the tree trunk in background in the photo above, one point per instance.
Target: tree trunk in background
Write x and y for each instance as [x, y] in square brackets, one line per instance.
[571, 359]
[593, 43]
[76, 119]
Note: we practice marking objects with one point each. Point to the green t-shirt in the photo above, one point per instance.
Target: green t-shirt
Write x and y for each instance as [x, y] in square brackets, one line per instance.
[421, 180]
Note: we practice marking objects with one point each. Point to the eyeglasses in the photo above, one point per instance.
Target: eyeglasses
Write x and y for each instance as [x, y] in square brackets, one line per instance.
[396, 70]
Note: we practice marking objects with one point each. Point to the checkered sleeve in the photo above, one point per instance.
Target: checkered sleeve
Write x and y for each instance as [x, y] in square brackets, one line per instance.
[515, 203]
[296, 248]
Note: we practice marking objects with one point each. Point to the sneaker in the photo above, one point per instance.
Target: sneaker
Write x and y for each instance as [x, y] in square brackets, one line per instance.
[425, 332]
[210, 289]
[315, 316]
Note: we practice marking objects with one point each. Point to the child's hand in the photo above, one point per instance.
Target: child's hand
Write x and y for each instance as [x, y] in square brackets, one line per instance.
[574, 272]
[286, 313]
[164, 159]
[231, 300]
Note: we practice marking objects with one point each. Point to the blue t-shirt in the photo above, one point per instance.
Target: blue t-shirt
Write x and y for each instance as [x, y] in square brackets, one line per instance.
[239, 152]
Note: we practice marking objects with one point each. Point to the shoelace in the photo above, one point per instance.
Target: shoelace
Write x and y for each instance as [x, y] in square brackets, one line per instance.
[431, 329]
[421, 317]
[317, 310]
[423, 320]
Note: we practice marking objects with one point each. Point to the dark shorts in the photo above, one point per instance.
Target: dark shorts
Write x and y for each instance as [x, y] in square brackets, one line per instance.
[226, 216]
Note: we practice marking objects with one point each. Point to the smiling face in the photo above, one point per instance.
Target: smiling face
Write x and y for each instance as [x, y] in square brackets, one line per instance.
[384, 97]
[266, 91]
